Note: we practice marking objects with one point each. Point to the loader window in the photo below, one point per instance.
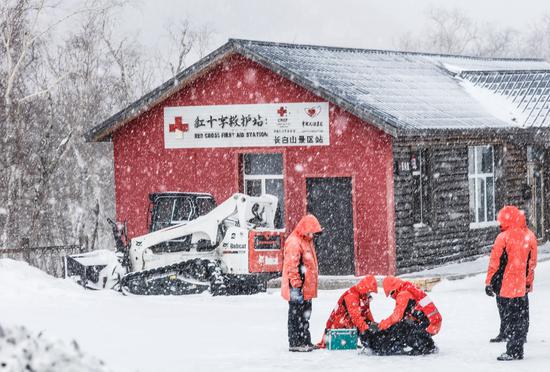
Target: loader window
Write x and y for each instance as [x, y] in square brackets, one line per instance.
[162, 213]
[183, 210]
[204, 205]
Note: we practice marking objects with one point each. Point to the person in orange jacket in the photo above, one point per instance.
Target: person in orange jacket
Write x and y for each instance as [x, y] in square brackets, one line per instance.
[413, 322]
[299, 281]
[353, 310]
[515, 249]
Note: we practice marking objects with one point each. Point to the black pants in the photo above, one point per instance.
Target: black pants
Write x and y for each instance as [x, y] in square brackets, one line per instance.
[501, 303]
[298, 323]
[516, 324]
[404, 334]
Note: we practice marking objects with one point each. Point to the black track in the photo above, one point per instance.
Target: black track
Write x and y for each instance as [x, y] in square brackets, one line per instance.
[190, 277]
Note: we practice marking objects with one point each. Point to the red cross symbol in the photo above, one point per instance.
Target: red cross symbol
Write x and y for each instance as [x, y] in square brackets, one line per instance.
[178, 125]
[281, 111]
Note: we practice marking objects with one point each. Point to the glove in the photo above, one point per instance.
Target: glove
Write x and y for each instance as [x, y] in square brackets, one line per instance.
[489, 291]
[296, 295]
[364, 338]
[373, 327]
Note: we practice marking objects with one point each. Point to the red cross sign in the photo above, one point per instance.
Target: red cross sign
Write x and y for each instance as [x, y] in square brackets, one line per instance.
[281, 111]
[178, 125]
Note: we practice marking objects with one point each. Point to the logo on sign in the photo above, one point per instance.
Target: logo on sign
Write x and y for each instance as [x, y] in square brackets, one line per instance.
[313, 111]
[178, 127]
[282, 119]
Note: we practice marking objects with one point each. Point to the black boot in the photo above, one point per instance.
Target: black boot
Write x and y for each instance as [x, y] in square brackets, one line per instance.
[499, 338]
[508, 357]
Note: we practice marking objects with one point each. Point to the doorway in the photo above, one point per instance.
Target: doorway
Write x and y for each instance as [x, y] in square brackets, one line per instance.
[330, 200]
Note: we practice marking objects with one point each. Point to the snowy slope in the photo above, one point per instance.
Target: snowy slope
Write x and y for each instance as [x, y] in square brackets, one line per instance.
[203, 333]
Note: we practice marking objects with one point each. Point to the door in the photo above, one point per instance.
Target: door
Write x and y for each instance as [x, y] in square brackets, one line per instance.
[330, 200]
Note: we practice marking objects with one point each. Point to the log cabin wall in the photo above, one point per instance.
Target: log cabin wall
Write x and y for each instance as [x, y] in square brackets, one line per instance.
[448, 237]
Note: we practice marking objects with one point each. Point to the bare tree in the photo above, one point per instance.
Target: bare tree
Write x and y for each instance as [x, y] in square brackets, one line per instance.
[50, 95]
[54, 86]
[455, 32]
[183, 39]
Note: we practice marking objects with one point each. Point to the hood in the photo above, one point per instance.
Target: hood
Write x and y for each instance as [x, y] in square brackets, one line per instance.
[509, 217]
[391, 283]
[308, 224]
[367, 285]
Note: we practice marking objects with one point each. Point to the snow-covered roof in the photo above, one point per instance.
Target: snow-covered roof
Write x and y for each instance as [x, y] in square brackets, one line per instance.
[399, 92]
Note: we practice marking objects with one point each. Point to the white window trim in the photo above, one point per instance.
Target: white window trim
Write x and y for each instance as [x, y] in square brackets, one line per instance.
[263, 178]
[484, 176]
[482, 225]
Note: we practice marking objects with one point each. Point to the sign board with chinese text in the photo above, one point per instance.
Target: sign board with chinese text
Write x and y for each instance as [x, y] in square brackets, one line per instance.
[254, 125]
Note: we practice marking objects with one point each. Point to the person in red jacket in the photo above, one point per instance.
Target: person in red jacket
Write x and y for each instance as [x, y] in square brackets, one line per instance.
[353, 310]
[413, 322]
[299, 281]
[518, 246]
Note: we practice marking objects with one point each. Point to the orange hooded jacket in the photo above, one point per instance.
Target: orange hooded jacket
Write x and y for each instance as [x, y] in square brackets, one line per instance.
[299, 254]
[520, 245]
[353, 308]
[403, 292]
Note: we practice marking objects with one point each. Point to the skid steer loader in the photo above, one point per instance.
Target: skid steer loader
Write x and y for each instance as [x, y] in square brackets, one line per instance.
[233, 249]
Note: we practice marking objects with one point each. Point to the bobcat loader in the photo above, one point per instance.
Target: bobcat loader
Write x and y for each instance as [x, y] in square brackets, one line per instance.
[233, 249]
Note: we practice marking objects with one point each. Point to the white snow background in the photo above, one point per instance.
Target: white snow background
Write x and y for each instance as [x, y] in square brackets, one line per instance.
[248, 333]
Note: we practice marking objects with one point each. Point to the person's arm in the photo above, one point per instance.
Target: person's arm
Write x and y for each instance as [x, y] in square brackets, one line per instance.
[494, 261]
[532, 263]
[292, 263]
[353, 305]
[401, 302]
[368, 315]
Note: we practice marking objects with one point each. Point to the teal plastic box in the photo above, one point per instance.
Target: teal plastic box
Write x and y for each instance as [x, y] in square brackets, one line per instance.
[342, 339]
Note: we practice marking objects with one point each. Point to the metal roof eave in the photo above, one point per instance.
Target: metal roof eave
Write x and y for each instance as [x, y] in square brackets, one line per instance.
[103, 131]
[371, 115]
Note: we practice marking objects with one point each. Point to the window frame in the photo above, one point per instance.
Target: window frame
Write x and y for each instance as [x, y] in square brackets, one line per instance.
[263, 178]
[478, 175]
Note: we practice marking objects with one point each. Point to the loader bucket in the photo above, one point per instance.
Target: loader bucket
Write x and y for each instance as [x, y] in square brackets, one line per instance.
[92, 269]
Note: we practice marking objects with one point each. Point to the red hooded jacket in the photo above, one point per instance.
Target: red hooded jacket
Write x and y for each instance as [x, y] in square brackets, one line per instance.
[300, 260]
[403, 292]
[520, 245]
[352, 309]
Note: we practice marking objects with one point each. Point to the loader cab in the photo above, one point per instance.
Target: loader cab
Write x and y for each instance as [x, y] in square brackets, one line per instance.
[172, 208]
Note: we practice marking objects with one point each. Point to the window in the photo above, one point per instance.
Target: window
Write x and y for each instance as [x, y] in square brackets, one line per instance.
[421, 188]
[204, 205]
[183, 210]
[263, 174]
[163, 213]
[482, 184]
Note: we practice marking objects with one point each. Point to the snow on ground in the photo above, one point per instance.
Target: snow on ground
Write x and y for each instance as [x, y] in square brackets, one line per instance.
[467, 268]
[248, 333]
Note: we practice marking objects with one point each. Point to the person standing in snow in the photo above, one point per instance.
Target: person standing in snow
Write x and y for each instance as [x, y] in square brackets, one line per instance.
[414, 321]
[518, 245]
[299, 281]
[353, 310]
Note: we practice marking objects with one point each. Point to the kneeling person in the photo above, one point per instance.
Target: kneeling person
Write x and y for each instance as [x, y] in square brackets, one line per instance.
[353, 309]
[414, 321]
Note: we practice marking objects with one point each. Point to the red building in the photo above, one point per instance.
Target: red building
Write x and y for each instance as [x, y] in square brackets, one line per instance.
[184, 136]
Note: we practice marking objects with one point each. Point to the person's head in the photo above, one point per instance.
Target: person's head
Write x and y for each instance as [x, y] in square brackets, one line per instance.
[308, 227]
[391, 284]
[509, 217]
[367, 285]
